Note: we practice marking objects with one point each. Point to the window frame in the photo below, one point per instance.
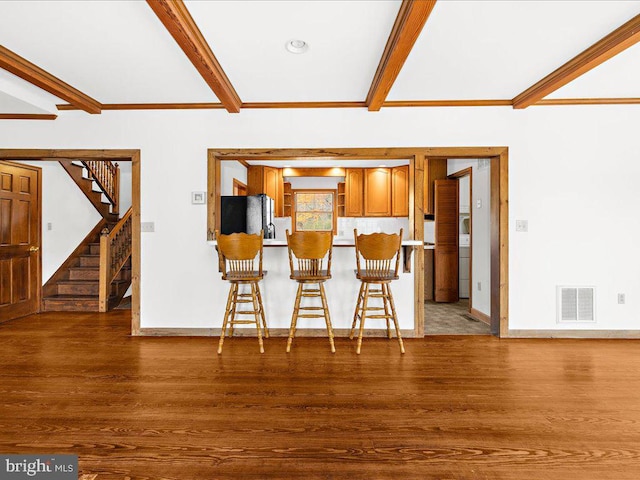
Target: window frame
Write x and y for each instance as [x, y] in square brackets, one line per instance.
[314, 190]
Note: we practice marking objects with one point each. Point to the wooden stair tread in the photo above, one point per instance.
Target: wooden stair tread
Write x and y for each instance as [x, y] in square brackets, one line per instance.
[68, 296]
[84, 282]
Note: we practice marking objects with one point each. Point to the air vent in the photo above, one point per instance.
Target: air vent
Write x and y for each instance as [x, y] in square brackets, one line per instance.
[576, 304]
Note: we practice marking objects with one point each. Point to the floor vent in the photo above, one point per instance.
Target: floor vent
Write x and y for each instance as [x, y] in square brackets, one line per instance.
[576, 304]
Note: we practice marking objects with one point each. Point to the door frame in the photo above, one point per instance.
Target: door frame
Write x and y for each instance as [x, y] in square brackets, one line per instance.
[467, 172]
[122, 155]
[38, 171]
[417, 156]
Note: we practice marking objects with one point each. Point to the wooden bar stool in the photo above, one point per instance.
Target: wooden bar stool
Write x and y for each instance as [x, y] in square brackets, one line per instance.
[307, 254]
[381, 255]
[238, 254]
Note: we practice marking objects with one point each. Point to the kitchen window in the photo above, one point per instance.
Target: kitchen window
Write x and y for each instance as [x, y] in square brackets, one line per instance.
[314, 210]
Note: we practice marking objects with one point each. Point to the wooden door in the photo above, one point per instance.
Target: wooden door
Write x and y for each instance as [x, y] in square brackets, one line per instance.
[354, 179]
[20, 281]
[447, 239]
[377, 192]
[400, 191]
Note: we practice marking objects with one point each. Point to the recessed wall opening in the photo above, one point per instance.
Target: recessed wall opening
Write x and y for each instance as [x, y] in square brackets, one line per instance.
[418, 161]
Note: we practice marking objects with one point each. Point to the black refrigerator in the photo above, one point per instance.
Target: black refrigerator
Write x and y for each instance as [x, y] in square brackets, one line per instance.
[247, 215]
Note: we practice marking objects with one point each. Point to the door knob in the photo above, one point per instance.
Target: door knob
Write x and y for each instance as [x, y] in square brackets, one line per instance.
[34, 248]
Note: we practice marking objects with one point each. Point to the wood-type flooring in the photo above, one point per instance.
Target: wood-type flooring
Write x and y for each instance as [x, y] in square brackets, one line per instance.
[458, 407]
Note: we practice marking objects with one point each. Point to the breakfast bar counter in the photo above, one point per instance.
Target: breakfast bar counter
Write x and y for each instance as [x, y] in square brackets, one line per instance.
[279, 291]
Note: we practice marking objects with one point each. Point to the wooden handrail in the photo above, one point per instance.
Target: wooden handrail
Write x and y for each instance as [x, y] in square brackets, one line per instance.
[107, 176]
[115, 250]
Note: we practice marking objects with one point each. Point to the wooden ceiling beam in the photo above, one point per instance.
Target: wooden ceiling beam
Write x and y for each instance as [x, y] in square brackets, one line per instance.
[601, 51]
[178, 21]
[27, 116]
[21, 67]
[412, 16]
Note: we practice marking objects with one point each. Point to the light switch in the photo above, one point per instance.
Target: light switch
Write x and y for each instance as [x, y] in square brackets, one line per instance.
[479, 203]
[147, 226]
[49, 226]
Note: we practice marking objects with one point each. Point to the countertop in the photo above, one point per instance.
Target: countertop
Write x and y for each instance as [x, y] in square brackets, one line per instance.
[337, 242]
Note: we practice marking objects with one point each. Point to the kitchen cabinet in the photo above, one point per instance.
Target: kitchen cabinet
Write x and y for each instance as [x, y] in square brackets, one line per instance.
[342, 186]
[354, 188]
[287, 198]
[374, 192]
[400, 191]
[261, 179]
[377, 192]
[434, 169]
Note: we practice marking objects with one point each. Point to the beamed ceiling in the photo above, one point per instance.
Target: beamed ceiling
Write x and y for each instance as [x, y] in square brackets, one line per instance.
[97, 55]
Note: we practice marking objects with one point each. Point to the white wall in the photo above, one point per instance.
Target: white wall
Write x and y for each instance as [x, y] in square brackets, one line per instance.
[125, 187]
[70, 213]
[481, 231]
[228, 171]
[572, 174]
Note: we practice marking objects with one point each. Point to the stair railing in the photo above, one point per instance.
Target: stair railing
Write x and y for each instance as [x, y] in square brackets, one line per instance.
[115, 250]
[107, 176]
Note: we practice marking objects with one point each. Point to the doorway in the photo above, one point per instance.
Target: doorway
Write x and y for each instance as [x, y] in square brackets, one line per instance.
[132, 156]
[458, 312]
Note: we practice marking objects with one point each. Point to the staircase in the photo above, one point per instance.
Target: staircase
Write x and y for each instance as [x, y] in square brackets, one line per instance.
[91, 186]
[78, 288]
[97, 274]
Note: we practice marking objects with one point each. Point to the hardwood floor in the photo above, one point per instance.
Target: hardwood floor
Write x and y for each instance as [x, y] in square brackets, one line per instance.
[450, 408]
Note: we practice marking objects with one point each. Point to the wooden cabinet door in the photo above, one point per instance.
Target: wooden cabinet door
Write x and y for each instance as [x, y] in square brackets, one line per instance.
[354, 188]
[377, 192]
[267, 180]
[273, 187]
[20, 282]
[434, 169]
[400, 191]
[447, 239]
[255, 180]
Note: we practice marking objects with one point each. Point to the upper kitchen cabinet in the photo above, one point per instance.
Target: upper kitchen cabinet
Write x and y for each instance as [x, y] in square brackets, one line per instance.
[354, 187]
[377, 192]
[400, 191]
[261, 179]
[434, 169]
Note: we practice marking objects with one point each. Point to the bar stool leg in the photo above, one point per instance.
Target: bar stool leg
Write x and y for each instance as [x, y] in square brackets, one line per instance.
[227, 313]
[294, 317]
[355, 314]
[395, 317]
[264, 322]
[363, 316]
[235, 302]
[385, 303]
[256, 314]
[327, 317]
